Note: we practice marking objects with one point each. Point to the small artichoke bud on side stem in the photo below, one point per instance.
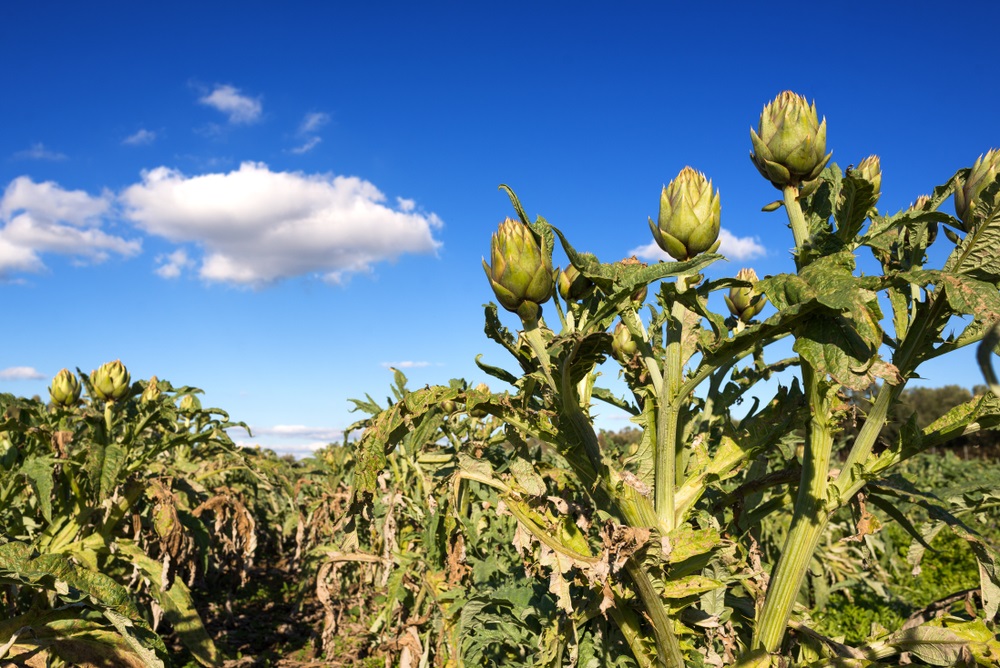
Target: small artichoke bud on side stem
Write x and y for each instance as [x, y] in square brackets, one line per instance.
[111, 381]
[744, 302]
[870, 169]
[622, 345]
[690, 216]
[65, 390]
[572, 285]
[152, 391]
[969, 191]
[789, 146]
[519, 273]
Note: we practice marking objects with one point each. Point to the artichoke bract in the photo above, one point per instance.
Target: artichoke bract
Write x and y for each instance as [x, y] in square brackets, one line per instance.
[519, 272]
[744, 302]
[111, 382]
[870, 169]
[65, 390]
[690, 215]
[789, 146]
[967, 192]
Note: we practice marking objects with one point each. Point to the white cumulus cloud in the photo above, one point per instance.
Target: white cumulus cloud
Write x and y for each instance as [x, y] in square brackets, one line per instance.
[45, 218]
[141, 137]
[257, 226]
[21, 373]
[732, 246]
[172, 264]
[241, 109]
[326, 434]
[406, 364]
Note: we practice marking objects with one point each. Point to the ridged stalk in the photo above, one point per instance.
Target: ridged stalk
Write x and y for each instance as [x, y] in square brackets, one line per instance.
[808, 522]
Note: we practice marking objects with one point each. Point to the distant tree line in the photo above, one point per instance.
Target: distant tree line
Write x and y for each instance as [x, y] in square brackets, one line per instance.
[925, 404]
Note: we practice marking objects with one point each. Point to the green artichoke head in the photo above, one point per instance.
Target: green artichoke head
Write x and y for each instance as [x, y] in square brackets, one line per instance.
[151, 392]
[622, 344]
[870, 169]
[690, 215]
[520, 273]
[65, 390]
[744, 302]
[111, 381]
[968, 191]
[572, 285]
[789, 146]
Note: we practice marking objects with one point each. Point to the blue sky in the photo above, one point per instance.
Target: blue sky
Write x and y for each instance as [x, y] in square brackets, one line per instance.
[276, 201]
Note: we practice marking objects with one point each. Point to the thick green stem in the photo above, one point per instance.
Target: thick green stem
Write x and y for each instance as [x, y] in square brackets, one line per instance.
[808, 521]
[667, 418]
[668, 650]
[799, 229]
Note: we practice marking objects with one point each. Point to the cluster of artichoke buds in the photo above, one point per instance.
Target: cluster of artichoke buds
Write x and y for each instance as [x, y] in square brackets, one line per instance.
[969, 191]
[65, 390]
[520, 273]
[790, 142]
[744, 302]
[111, 381]
[572, 285]
[690, 216]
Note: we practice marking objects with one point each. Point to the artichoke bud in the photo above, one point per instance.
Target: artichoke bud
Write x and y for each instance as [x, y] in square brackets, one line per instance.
[744, 302]
[870, 169]
[921, 204]
[111, 382]
[639, 296]
[189, 404]
[65, 390]
[520, 274]
[622, 344]
[689, 219]
[968, 192]
[789, 146]
[448, 406]
[152, 391]
[572, 285]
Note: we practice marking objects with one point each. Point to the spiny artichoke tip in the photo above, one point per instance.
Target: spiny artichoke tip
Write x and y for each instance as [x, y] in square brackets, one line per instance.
[690, 215]
[519, 272]
[968, 191]
[790, 141]
[744, 302]
[65, 390]
[111, 381]
[870, 169]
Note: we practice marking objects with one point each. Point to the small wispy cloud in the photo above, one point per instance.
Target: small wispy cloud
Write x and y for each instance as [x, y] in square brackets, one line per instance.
[406, 364]
[310, 144]
[313, 122]
[241, 109]
[141, 137]
[299, 431]
[39, 152]
[173, 264]
[21, 373]
[732, 246]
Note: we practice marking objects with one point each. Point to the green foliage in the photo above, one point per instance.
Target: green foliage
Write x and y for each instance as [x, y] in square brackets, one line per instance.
[693, 540]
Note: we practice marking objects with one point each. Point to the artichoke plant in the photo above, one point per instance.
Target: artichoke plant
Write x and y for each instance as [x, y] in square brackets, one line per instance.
[520, 273]
[622, 343]
[789, 146]
[111, 382]
[744, 302]
[969, 190]
[690, 214]
[65, 390]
